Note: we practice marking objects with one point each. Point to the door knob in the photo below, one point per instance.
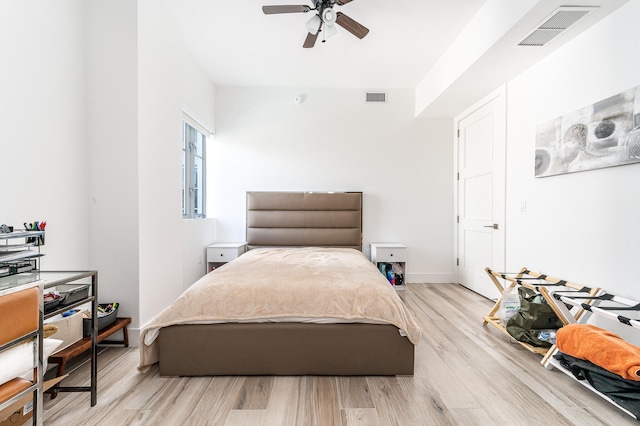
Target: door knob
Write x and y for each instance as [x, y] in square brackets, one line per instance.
[494, 226]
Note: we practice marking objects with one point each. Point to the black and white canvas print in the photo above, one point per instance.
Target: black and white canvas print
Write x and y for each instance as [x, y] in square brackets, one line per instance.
[604, 134]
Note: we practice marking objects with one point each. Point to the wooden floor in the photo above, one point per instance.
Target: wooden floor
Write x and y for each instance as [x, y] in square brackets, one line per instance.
[465, 374]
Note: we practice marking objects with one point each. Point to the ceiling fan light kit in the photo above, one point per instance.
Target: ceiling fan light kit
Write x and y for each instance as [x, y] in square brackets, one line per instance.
[329, 31]
[328, 16]
[329, 19]
[325, 17]
[313, 25]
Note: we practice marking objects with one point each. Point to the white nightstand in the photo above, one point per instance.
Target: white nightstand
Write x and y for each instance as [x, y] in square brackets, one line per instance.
[384, 255]
[220, 253]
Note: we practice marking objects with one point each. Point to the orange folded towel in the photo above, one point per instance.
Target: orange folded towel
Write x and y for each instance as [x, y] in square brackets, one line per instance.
[601, 347]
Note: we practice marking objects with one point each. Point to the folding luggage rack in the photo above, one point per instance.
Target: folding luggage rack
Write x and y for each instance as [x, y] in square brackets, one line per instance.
[573, 303]
[602, 304]
[597, 306]
[542, 284]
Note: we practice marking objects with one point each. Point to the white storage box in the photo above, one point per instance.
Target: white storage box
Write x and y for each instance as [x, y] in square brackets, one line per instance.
[69, 329]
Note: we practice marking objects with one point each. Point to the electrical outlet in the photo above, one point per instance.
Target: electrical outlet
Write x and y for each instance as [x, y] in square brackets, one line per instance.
[523, 206]
[200, 259]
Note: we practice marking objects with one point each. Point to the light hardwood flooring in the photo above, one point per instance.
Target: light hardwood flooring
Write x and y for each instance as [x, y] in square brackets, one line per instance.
[465, 374]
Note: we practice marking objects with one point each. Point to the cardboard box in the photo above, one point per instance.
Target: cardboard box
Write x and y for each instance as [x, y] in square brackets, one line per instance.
[69, 330]
[20, 416]
[22, 410]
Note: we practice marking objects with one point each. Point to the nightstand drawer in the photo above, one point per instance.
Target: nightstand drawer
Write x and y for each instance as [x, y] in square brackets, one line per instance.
[224, 252]
[218, 254]
[390, 254]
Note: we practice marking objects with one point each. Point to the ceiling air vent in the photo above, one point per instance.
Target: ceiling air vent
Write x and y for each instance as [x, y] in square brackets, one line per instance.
[377, 97]
[561, 19]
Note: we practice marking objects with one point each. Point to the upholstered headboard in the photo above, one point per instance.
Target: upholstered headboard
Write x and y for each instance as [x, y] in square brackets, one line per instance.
[304, 219]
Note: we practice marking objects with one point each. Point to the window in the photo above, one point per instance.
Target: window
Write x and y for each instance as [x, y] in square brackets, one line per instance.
[193, 171]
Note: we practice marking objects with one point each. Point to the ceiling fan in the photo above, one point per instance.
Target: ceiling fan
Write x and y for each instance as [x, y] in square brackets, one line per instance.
[324, 16]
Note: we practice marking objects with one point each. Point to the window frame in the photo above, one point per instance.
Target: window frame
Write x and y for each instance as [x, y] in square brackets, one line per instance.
[192, 206]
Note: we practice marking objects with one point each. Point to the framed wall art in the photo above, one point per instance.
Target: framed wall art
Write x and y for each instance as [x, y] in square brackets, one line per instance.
[604, 134]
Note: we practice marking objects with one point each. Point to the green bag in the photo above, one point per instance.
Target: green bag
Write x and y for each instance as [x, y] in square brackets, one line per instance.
[534, 315]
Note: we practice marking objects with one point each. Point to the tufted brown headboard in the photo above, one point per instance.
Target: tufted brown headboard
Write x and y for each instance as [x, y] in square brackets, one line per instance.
[304, 219]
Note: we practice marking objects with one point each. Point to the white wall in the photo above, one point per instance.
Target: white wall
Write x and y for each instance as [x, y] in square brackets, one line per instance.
[112, 139]
[199, 101]
[140, 79]
[334, 141]
[198, 93]
[159, 158]
[43, 149]
[581, 226]
[196, 235]
[91, 106]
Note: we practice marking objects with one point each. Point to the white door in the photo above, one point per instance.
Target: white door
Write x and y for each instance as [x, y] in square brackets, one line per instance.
[481, 140]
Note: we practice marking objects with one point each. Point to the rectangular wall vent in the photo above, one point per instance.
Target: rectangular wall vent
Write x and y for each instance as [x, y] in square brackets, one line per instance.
[561, 19]
[377, 97]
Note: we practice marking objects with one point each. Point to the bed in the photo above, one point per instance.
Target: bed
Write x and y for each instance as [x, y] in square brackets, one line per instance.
[302, 301]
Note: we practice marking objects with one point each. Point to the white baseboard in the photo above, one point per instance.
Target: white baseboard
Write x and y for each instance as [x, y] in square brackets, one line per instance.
[431, 278]
[134, 337]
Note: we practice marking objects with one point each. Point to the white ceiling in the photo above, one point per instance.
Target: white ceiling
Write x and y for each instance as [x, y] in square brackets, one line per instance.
[452, 52]
[238, 45]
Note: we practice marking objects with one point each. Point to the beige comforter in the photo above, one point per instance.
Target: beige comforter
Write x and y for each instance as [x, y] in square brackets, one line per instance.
[286, 284]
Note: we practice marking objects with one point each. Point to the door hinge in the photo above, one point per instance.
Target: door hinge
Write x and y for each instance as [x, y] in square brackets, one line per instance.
[458, 261]
[458, 133]
[458, 175]
[458, 219]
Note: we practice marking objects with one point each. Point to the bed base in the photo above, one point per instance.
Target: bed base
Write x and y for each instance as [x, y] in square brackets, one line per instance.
[284, 349]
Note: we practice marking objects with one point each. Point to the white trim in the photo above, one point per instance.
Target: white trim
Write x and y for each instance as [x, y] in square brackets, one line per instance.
[134, 336]
[454, 260]
[428, 278]
[500, 94]
[196, 121]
